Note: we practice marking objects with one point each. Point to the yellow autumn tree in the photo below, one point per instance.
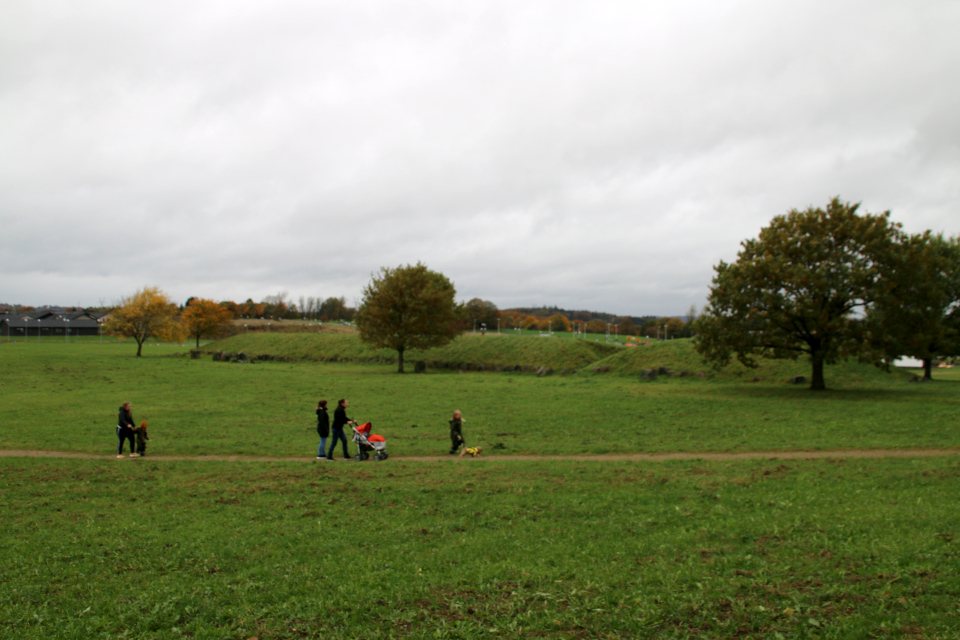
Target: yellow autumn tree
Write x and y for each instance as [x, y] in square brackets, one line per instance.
[205, 319]
[148, 313]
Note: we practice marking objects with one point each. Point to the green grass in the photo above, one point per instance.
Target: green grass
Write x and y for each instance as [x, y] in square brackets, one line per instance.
[476, 549]
[475, 349]
[533, 352]
[461, 548]
[66, 397]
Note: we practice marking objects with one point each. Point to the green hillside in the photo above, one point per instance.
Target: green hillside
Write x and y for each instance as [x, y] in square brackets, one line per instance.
[471, 351]
[468, 349]
[679, 356]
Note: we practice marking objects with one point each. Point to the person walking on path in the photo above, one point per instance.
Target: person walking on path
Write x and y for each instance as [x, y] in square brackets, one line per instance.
[323, 429]
[142, 438]
[125, 429]
[340, 420]
[456, 432]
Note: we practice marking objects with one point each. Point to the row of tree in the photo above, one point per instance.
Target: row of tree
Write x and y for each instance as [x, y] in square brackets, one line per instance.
[279, 307]
[832, 284]
[149, 313]
[421, 303]
[483, 313]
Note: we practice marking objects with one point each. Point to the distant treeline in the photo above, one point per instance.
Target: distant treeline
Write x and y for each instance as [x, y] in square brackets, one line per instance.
[477, 314]
[578, 315]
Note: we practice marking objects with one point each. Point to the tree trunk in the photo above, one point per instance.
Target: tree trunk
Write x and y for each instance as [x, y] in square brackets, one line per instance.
[928, 368]
[198, 341]
[139, 347]
[400, 359]
[816, 378]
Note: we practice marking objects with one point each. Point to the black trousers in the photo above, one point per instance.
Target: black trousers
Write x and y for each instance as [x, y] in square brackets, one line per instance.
[124, 434]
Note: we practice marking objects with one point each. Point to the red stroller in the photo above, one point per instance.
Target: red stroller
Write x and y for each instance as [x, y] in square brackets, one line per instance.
[367, 442]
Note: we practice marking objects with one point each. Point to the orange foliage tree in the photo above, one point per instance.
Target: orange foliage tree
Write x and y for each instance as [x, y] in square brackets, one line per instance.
[148, 313]
[205, 319]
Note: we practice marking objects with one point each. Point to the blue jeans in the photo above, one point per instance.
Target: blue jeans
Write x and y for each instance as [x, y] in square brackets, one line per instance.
[338, 434]
[322, 451]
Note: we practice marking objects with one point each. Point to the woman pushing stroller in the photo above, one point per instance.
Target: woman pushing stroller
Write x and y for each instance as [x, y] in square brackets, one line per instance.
[340, 420]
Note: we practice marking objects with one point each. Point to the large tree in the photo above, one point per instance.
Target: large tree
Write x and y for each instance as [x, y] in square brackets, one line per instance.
[802, 287]
[205, 319]
[921, 317]
[148, 313]
[409, 307]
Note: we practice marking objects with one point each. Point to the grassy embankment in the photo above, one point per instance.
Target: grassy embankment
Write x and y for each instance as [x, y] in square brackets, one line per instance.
[471, 351]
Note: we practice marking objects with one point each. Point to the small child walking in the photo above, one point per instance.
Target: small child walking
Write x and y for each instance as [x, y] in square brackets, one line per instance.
[142, 438]
[456, 432]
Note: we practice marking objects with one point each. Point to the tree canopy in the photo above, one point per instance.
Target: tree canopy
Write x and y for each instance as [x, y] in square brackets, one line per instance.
[803, 287]
[205, 318]
[921, 317]
[409, 307]
[148, 313]
[482, 313]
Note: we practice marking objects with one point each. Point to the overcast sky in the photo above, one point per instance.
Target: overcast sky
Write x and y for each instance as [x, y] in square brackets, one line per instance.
[590, 155]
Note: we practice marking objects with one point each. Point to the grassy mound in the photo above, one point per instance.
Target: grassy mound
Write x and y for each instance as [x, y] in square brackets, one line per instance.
[527, 351]
[301, 346]
[477, 351]
[680, 356]
[467, 349]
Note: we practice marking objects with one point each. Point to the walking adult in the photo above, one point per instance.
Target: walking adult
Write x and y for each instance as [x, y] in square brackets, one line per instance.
[323, 429]
[125, 429]
[340, 420]
[456, 432]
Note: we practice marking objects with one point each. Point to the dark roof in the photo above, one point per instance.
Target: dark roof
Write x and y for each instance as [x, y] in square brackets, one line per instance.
[26, 320]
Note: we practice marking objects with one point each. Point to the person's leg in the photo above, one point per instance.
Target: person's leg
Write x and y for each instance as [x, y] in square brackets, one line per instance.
[120, 443]
[322, 450]
[337, 433]
[133, 446]
[343, 439]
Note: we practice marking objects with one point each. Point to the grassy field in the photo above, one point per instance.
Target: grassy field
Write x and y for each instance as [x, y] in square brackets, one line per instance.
[479, 549]
[461, 548]
[66, 398]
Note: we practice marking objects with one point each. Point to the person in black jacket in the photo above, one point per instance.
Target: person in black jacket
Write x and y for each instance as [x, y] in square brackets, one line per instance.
[125, 429]
[340, 420]
[323, 429]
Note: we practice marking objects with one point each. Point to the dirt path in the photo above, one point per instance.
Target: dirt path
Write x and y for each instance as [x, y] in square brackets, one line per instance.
[639, 457]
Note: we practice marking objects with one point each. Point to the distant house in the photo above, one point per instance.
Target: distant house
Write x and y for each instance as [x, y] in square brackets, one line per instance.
[49, 323]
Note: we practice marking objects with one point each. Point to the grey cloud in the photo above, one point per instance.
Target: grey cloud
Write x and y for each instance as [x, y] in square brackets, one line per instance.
[601, 155]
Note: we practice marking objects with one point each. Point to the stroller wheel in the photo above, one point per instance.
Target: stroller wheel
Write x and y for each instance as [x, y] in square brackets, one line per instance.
[365, 455]
[358, 457]
[380, 456]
